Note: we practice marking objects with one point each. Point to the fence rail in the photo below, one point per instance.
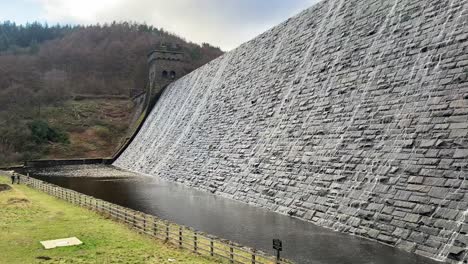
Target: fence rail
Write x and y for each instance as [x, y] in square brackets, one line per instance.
[178, 235]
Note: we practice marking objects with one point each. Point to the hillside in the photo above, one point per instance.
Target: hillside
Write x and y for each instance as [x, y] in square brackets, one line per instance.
[43, 69]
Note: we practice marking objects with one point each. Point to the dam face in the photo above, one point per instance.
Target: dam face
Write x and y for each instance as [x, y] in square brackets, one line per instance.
[352, 115]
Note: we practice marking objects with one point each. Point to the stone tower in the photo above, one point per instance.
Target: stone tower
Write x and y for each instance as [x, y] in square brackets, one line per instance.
[166, 64]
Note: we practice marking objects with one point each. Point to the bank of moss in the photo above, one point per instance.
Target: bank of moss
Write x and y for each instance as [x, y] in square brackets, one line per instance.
[28, 216]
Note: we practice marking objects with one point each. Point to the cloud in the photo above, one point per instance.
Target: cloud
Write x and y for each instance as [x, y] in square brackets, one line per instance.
[224, 23]
[81, 11]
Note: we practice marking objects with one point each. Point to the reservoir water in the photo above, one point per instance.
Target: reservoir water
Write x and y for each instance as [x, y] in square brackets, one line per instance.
[303, 242]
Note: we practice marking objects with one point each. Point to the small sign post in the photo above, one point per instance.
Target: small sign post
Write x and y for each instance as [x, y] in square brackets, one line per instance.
[278, 246]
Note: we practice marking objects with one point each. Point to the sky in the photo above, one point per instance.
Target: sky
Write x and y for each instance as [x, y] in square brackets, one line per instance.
[222, 23]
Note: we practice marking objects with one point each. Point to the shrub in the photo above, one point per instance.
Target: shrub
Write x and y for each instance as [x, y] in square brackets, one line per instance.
[42, 133]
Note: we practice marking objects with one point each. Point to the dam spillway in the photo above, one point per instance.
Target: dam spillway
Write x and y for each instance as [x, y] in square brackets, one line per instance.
[352, 115]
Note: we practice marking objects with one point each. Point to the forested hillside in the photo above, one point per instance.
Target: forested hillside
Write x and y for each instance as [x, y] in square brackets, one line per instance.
[43, 68]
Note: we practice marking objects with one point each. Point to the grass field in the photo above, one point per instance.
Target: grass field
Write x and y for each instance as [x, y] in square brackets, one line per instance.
[28, 216]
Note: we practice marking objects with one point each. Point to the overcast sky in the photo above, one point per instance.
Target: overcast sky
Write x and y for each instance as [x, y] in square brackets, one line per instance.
[223, 23]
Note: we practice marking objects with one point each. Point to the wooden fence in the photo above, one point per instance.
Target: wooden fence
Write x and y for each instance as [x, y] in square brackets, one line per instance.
[181, 236]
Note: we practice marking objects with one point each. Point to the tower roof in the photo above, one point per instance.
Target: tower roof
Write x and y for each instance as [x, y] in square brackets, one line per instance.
[171, 52]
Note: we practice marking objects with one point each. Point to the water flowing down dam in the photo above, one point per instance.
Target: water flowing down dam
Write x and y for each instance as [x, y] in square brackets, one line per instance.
[352, 115]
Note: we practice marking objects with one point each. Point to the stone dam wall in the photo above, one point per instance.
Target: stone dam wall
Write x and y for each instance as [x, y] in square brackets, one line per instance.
[352, 115]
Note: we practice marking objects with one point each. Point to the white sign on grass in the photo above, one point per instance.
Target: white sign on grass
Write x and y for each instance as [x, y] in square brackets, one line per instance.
[64, 242]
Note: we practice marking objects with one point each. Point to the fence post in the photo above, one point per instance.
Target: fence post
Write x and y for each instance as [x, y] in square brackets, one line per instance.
[211, 247]
[253, 256]
[180, 236]
[144, 223]
[231, 255]
[155, 227]
[195, 246]
[167, 231]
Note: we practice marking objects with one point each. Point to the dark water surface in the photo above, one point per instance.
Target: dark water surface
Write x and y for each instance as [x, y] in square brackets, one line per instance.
[302, 242]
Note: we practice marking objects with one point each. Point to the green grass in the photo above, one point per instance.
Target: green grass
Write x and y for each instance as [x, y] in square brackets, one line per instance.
[28, 216]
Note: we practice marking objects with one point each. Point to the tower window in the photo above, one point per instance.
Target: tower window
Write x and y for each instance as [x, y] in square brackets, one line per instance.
[164, 74]
[173, 74]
